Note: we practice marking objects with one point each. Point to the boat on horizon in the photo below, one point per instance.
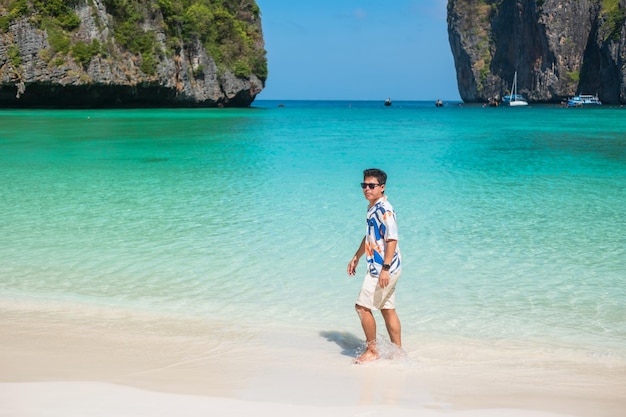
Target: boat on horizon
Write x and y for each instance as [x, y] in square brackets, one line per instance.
[514, 99]
[388, 102]
[584, 100]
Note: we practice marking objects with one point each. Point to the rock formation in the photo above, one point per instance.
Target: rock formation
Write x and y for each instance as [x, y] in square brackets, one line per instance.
[558, 48]
[120, 53]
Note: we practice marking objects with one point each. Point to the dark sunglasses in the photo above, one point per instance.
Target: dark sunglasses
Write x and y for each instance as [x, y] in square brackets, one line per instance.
[371, 185]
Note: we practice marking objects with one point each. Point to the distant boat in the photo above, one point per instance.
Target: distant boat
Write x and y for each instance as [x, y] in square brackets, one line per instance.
[515, 100]
[493, 102]
[388, 102]
[439, 103]
[584, 100]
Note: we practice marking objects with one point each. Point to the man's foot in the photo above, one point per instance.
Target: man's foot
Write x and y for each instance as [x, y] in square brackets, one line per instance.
[367, 356]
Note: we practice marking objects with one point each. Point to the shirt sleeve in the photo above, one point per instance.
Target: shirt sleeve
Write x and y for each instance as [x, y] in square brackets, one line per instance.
[391, 226]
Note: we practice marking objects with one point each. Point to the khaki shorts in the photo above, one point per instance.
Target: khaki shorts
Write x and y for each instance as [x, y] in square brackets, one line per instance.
[374, 297]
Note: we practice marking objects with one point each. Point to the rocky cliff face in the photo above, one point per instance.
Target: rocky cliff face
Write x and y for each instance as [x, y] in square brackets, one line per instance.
[76, 53]
[558, 48]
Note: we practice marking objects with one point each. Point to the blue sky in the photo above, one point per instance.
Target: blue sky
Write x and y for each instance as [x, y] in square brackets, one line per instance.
[357, 50]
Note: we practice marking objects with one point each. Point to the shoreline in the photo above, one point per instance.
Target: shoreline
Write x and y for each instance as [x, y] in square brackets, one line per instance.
[248, 368]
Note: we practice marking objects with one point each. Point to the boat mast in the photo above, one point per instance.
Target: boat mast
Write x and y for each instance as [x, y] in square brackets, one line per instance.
[514, 88]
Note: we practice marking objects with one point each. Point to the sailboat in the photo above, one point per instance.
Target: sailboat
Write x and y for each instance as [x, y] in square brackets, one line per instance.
[515, 99]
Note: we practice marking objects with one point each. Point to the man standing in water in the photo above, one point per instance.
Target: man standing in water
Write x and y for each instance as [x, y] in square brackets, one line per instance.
[380, 246]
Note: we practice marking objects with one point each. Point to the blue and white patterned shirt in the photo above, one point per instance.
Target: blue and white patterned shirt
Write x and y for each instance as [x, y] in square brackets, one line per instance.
[381, 227]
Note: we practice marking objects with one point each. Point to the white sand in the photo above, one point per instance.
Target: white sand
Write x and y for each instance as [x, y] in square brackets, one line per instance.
[70, 365]
[65, 399]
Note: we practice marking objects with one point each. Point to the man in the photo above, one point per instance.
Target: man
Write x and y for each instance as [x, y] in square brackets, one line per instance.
[380, 246]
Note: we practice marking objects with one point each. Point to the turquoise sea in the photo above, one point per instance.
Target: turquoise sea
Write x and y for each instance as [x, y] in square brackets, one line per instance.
[512, 220]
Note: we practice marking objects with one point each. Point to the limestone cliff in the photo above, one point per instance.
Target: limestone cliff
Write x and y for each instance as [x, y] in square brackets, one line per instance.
[127, 53]
[558, 48]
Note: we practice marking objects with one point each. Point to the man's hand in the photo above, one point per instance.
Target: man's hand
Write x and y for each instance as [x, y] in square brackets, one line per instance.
[352, 265]
[383, 279]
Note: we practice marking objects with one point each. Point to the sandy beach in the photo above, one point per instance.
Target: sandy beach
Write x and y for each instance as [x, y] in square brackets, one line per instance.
[67, 364]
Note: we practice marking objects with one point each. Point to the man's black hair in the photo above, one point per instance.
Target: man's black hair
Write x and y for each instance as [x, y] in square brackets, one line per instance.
[379, 174]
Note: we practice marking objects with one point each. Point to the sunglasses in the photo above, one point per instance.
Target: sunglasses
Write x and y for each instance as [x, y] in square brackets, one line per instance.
[371, 185]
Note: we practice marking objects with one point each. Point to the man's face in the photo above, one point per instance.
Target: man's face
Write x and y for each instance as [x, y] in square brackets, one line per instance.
[372, 194]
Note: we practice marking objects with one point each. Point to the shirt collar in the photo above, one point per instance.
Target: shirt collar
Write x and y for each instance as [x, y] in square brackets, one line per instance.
[380, 200]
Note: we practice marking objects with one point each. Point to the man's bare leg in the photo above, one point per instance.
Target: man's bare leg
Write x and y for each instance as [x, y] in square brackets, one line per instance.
[393, 326]
[368, 322]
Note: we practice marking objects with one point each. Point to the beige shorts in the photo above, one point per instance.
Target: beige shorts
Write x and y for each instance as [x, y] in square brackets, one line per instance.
[374, 297]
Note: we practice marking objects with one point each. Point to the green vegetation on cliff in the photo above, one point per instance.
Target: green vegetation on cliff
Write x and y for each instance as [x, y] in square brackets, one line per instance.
[614, 16]
[12, 10]
[59, 12]
[229, 30]
[478, 28]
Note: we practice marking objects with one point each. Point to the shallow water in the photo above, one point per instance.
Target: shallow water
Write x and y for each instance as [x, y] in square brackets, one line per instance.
[512, 221]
